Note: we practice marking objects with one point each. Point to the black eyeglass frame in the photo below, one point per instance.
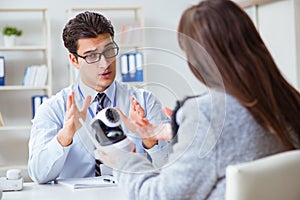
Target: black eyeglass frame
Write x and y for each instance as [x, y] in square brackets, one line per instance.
[101, 53]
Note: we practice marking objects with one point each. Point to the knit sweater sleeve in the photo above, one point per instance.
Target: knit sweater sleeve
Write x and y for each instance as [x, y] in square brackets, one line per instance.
[189, 174]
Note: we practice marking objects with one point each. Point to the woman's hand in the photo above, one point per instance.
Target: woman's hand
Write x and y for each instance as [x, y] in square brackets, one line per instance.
[138, 123]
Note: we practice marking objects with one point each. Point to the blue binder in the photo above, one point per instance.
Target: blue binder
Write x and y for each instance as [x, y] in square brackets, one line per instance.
[132, 67]
[2, 70]
[36, 101]
[139, 77]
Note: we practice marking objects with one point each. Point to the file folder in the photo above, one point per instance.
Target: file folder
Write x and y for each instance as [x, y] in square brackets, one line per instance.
[132, 67]
[36, 101]
[139, 67]
[2, 70]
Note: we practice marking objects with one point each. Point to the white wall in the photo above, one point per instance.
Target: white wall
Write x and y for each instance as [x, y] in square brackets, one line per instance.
[278, 27]
[297, 33]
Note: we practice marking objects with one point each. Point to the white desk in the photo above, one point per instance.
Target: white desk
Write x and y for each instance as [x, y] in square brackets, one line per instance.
[61, 192]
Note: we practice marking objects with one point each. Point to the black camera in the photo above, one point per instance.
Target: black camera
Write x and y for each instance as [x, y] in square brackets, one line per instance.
[107, 126]
[108, 130]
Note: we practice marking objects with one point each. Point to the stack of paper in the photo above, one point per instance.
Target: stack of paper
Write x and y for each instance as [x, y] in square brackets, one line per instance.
[35, 75]
[90, 182]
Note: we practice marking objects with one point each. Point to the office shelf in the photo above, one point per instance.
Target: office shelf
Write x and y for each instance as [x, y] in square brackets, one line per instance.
[23, 48]
[21, 87]
[36, 50]
[14, 128]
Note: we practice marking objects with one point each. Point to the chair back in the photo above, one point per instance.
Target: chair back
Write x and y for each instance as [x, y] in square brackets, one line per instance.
[275, 177]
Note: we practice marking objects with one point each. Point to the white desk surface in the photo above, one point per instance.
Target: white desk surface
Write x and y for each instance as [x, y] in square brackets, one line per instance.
[61, 192]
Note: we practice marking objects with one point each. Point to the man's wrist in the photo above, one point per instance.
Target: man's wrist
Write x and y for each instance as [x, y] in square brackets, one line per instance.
[63, 140]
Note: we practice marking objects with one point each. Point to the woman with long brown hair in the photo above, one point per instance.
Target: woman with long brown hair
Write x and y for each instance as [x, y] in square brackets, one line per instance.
[248, 71]
[250, 111]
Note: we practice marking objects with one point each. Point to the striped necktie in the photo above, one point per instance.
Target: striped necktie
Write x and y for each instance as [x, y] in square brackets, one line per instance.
[100, 99]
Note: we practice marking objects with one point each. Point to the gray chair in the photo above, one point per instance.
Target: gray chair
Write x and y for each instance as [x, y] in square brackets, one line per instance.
[276, 177]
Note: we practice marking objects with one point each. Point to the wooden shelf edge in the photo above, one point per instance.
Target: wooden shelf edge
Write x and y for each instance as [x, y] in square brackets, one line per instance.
[117, 8]
[23, 9]
[21, 87]
[14, 128]
[23, 48]
[249, 3]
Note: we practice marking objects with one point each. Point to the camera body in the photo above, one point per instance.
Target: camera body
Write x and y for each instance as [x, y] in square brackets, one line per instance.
[107, 127]
[108, 130]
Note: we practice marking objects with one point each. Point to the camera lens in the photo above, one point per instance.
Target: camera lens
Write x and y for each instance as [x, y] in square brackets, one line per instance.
[112, 115]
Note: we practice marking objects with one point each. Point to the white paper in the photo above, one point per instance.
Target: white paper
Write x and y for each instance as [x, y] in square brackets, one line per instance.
[90, 182]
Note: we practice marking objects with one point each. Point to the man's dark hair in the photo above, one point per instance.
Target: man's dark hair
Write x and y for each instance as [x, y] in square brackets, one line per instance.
[85, 25]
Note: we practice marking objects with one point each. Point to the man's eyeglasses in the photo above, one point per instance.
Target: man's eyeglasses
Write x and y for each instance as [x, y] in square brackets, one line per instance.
[108, 53]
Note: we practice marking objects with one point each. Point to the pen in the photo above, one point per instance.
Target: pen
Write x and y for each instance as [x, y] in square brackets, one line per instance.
[108, 180]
